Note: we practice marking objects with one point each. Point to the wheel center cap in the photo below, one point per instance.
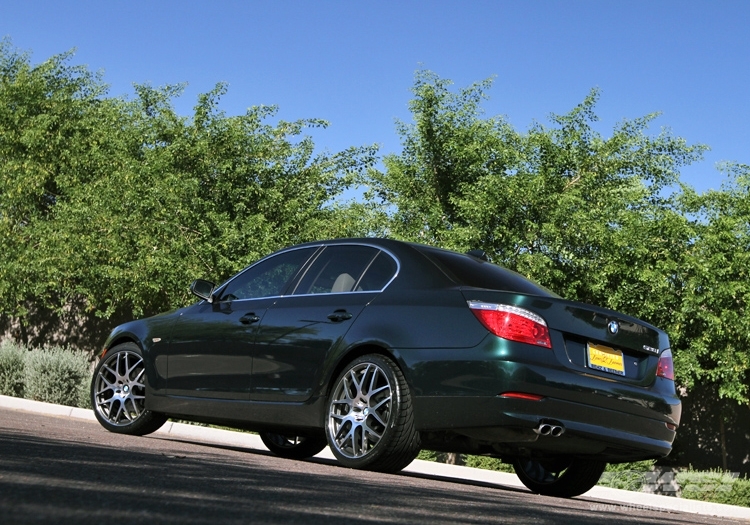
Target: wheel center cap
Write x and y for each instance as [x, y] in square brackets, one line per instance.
[126, 389]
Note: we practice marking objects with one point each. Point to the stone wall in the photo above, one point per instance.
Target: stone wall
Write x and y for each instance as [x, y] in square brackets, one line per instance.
[71, 327]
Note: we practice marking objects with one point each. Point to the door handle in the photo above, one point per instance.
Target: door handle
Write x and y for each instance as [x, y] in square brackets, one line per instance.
[249, 319]
[339, 315]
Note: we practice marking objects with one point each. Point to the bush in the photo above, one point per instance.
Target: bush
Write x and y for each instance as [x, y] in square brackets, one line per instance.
[488, 463]
[428, 455]
[12, 367]
[483, 462]
[715, 486]
[58, 375]
[626, 476]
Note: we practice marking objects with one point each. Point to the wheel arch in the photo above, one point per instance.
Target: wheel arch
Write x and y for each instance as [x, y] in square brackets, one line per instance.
[358, 351]
[118, 340]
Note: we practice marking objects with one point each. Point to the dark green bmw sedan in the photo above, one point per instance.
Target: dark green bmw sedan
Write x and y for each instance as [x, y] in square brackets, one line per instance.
[379, 348]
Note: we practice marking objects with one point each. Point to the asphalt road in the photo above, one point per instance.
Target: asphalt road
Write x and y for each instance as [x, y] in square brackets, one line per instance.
[62, 470]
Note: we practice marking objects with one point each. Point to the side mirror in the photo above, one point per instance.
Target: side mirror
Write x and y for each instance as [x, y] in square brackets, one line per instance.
[203, 289]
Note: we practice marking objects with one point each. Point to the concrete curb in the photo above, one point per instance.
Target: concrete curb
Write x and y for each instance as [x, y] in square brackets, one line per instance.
[604, 499]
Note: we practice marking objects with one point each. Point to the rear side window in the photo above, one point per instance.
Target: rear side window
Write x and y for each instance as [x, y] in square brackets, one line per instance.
[380, 272]
[347, 268]
[470, 271]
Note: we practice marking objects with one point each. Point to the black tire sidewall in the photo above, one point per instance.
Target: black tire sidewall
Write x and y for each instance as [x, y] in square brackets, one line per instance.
[578, 478]
[380, 456]
[303, 450]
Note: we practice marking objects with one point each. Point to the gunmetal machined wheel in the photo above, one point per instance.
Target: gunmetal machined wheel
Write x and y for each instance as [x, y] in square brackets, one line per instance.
[118, 392]
[292, 446]
[370, 419]
[563, 478]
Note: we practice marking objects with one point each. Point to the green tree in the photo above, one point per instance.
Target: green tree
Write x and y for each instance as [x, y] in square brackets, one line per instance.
[714, 321]
[114, 205]
[603, 220]
[583, 214]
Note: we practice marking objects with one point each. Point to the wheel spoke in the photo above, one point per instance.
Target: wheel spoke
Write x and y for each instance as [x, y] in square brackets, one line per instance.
[380, 389]
[377, 417]
[119, 388]
[369, 430]
[359, 410]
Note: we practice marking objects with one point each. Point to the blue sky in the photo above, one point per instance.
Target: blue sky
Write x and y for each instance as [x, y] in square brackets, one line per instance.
[353, 63]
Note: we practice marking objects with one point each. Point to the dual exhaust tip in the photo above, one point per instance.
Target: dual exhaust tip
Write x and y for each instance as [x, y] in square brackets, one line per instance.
[550, 428]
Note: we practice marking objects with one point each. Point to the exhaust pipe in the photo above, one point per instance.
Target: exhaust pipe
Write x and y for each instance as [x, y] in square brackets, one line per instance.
[557, 431]
[549, 428]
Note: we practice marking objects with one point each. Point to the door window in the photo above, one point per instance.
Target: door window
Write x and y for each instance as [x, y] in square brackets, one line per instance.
[267, 278]
[347, 268]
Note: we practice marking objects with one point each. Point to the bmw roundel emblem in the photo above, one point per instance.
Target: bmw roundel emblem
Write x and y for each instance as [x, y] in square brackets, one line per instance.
[613, 327]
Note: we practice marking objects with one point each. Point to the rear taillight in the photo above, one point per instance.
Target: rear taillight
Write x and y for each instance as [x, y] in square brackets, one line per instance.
[665, 368]
[512, 322]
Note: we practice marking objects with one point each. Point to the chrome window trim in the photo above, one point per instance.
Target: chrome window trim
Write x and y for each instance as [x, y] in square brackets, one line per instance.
[369, 245]
[310, 261]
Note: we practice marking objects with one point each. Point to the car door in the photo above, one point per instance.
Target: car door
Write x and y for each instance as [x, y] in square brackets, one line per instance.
[299, 330]
[210, 354]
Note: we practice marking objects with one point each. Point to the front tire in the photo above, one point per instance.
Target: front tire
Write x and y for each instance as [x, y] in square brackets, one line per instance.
[370, 417]
[563, 478]
[292, 446]
[118, 393]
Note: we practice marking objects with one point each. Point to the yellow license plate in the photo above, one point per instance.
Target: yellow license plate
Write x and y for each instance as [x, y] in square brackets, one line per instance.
[606, 359]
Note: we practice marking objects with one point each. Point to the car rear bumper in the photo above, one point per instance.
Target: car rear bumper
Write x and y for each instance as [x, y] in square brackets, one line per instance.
[464, 395]
[509, 425]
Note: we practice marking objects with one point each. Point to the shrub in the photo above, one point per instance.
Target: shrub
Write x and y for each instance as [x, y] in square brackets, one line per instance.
[715, 486]
[58, 375]
[428, 455]
[12, 369]
[626, 476]
[488, 463]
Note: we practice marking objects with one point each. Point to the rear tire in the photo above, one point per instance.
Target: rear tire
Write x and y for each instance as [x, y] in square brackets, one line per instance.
[563, 478]
[370, 417]
[293, 447]
[118, 393]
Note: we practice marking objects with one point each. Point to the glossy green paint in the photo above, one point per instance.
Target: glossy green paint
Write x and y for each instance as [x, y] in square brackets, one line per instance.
[268, 363]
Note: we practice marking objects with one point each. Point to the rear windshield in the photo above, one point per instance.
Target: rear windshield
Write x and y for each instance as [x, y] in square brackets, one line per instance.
[466, 270]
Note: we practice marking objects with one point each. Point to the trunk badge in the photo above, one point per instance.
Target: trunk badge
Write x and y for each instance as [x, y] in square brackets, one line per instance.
[613, 327]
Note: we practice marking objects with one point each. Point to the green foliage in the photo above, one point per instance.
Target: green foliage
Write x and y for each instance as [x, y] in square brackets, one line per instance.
[714, 321]
[121, 203]
[601, 220]
[428, 455]
[714, 486]
[12, 368]
[488, 463]
[581, 214]
[58, 375]
[116, 204]
[626, 476]
[483, 462]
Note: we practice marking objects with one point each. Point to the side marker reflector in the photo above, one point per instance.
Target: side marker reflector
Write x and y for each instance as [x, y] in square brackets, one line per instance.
[522, 395]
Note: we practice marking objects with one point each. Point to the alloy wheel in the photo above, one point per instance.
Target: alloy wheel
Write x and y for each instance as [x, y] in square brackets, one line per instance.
[119, 389]
[360, 410]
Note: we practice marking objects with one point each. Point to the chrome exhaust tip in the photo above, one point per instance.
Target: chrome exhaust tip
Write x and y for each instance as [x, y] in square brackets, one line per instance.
[557, 431]
[552, 429]
[543, 429]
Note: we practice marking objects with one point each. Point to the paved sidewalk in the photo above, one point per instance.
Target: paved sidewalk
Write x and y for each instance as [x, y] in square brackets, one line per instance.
[603, 498]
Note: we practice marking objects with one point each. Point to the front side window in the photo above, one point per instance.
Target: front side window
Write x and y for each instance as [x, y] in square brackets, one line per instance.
[267, 278]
